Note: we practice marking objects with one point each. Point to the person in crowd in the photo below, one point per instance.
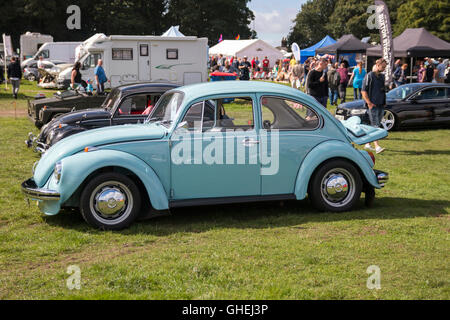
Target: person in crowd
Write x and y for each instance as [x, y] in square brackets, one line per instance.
[244, 68]
[421, 73]
[40, 63]
[306, 67]
[235, 65]
[14, 73]
[429, 73]
[317, 83]
[400, 75]
[265, 64]
[440, 71]
[334, 79]
[75, 78]
[100, 76]
[357, 77]
[296, 75]
[257, 64]
[227, 67]
[397, 64]
[89, 87]
[343, 72]
[275, 70]
[374, 95]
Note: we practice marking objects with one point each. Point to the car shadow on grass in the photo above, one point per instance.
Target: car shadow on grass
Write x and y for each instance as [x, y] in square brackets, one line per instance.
[260, 215]
[419, 153]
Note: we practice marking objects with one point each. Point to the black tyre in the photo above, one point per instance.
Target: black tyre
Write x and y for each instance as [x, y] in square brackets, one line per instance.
[336, 186]
[110, 201]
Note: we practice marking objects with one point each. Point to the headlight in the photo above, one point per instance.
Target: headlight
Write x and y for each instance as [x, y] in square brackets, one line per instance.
[57, 171]
[358, 111]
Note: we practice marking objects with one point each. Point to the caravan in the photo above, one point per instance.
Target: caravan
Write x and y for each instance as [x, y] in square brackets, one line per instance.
[129, 59]
[55, 52]
[30, 43]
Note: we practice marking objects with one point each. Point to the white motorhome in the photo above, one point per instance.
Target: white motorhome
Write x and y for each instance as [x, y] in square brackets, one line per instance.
[54, 51]
[30, 42]
[130, 59]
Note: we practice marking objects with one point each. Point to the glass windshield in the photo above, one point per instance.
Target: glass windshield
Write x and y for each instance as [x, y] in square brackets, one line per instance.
[111, 99]
[401, 92]
[166, 108]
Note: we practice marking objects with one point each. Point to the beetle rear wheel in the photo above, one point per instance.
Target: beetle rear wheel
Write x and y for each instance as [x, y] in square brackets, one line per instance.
[111, 201]
[336, 186]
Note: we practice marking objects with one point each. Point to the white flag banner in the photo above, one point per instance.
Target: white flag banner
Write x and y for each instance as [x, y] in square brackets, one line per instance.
[8, 45]
[296, 51]
[387, 44]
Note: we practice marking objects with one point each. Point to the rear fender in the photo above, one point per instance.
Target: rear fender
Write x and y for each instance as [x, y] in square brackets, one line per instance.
[326, 151]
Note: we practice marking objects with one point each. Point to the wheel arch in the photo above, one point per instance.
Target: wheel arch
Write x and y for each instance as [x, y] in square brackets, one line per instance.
[83, 166]
[329, 151]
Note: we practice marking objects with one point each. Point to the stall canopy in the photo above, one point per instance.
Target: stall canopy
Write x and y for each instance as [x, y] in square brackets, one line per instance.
[250, 48]
[311, 51]
[416, 42]
[346, 44]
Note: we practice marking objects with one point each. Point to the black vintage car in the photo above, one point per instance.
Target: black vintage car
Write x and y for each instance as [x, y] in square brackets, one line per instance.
[410, 105]
[42, 110]
[125, 104]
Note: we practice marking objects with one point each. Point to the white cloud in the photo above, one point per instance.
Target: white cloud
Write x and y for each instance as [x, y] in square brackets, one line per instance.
[274, 21]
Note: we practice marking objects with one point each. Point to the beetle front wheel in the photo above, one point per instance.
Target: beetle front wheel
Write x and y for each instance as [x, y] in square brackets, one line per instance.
[110, 201]
[336, 186]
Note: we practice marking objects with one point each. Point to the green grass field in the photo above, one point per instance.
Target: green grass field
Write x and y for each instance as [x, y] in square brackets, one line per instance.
[253, 251]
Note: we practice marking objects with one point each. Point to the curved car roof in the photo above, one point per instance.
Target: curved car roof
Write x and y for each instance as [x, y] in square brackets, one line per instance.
[143, 86]
[199, 90]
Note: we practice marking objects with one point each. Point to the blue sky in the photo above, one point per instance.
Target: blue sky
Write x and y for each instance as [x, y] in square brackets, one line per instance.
[273, 18]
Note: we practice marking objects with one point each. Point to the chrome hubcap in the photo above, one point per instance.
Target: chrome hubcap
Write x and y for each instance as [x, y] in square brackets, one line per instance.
[337, 187]
[388, 120]
[111, 202]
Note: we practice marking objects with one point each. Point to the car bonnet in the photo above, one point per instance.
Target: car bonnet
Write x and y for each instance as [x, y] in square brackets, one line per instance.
[93, 138]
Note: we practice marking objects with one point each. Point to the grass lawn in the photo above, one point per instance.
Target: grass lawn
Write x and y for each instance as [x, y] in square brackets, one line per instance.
[252, 251]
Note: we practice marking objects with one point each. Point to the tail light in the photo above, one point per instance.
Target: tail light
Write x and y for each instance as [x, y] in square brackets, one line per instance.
[372, 156]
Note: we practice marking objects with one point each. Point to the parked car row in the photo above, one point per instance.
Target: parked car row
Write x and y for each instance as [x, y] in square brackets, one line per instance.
[271, 142]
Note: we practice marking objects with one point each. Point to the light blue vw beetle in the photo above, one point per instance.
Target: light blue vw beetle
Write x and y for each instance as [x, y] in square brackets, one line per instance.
[210, 143]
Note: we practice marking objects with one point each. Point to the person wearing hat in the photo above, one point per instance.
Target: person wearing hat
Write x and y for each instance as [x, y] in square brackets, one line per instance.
[244, 68]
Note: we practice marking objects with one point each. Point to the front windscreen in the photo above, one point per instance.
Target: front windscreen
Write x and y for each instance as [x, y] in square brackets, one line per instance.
[401, 92]
[167, 108]
[111, 99]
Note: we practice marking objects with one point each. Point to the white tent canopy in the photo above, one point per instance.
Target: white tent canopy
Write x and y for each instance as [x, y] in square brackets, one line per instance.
[250, 48]
[173, 32]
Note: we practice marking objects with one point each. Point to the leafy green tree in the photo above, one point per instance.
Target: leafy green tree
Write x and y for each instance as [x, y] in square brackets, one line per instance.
[433, 15]
[310, 22]
[205, 18]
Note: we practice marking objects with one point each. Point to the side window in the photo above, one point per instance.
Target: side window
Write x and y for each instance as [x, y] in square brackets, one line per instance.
[234, 113]
[284, 114]
[136, 105]
[220, 115]
[92, 60]
[431, 93]
[45, 54]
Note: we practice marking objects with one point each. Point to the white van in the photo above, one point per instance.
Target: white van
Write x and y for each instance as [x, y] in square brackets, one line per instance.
[131, 59]
[30, 42]
[54, 51]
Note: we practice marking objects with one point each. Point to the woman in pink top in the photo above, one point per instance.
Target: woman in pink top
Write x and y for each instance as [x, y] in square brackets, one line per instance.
[343, 72]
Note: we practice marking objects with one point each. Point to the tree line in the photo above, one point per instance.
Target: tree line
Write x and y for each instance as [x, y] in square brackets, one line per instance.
[202, 18]
[318, 18]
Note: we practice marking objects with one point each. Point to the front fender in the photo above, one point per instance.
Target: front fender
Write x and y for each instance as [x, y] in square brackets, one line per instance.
[61, 134]
[76, 168]
[325, 151]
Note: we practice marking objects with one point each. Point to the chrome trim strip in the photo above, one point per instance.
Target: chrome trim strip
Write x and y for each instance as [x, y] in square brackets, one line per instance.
[382, 177]
[31, 191]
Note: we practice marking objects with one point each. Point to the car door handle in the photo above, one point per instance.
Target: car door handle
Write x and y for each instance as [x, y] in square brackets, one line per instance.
[248, 142]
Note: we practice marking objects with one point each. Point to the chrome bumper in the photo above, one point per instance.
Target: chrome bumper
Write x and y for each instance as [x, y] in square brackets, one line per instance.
[31, 191]
[32, 142]
[382, 177]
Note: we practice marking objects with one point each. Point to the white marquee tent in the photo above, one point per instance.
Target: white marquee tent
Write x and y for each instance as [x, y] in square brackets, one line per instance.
[250, 48]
